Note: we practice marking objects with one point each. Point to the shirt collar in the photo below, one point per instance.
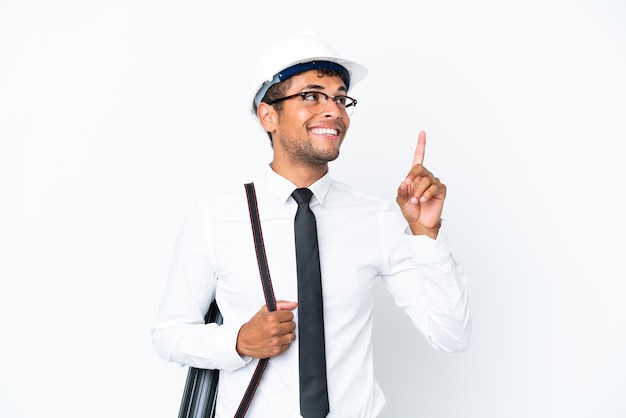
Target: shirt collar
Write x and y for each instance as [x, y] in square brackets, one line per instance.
[283, 188]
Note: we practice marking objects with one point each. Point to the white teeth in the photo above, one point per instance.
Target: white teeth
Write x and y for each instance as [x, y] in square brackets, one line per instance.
[324, 131]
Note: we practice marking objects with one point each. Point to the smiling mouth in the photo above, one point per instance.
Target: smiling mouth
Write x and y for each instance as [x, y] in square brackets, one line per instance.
[325, 131]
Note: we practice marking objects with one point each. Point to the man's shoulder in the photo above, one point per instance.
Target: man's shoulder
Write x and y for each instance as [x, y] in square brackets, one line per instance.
[354, 193]
[218, 201]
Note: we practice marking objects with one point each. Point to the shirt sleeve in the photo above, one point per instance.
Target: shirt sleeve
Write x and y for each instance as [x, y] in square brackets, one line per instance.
[429, 285]
[180, 334]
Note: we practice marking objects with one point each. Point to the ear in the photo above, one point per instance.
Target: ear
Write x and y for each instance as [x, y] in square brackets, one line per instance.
[267, 117]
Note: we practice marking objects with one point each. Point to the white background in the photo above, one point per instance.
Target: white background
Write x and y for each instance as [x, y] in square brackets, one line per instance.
[115, 116]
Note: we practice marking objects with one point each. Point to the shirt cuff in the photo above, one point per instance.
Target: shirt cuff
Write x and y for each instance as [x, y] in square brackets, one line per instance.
[427, 250]
[227, 354]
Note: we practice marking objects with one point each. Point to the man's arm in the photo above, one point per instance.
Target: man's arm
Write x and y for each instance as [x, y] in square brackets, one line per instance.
[179, 333]
[435, 297]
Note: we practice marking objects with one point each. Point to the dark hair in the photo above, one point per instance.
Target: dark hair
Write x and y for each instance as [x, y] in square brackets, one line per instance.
[278, 90]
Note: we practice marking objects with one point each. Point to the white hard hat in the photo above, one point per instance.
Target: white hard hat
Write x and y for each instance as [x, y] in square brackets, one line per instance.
[297, 54]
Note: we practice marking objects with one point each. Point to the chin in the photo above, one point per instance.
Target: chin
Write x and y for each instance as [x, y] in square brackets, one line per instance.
[330, 156]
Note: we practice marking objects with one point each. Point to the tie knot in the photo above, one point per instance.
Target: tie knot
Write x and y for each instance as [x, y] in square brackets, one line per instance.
[302, 195]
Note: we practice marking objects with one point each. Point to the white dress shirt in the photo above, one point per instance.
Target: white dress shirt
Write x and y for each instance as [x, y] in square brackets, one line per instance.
[361, 238]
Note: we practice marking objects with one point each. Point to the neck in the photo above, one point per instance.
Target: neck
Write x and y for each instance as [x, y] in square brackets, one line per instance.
[301, 176]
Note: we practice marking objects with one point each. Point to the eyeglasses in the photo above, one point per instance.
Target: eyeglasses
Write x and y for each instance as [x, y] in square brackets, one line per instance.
[316, 101]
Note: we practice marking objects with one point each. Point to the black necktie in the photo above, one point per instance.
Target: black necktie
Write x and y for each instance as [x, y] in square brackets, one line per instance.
[313, 392]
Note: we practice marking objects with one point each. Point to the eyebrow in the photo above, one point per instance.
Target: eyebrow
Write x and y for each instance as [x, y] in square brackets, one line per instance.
[319, 87]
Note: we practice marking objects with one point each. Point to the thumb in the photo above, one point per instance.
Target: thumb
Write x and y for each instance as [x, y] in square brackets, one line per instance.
[283, 305]
[403, 196]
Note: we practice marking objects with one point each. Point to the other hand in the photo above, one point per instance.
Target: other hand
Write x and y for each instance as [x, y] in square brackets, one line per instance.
[268, 334]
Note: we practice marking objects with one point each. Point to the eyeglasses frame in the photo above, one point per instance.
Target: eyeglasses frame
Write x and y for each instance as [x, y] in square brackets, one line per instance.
[303, 94]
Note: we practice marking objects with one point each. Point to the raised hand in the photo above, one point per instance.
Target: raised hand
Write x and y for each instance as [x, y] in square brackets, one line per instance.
[421, 195]
[268, 334]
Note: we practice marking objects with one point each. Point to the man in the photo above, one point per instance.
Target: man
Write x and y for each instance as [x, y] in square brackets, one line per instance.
[304, 107]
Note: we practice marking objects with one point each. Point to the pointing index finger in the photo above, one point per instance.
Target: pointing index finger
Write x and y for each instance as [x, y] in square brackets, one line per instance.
[418, 157]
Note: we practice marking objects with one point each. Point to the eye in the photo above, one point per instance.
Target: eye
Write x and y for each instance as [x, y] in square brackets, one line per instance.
[342, 100]
[312, 96]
